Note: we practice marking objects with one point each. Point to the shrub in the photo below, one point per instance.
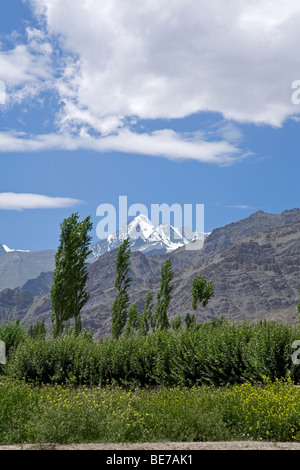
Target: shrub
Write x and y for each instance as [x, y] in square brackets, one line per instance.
[216, 353]
[266, 412]
[269, 351]
[12, 334]
[60, 360]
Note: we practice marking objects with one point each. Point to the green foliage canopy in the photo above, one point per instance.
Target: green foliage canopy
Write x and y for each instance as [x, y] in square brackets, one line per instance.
[122, 284]
[202, 291]
[68, 292]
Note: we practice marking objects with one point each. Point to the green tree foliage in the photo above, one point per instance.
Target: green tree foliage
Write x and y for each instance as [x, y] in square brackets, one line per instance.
[133, 321]
[202, 291]
[122, 284]
[12, 334]
[164, 296]
[298, 306]
[68, 292]
[38, 330]
[189, 320]
[147, 317]
[216, 353]
[177, 322]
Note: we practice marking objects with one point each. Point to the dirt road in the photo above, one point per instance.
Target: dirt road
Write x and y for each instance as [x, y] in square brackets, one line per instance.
[224, 445]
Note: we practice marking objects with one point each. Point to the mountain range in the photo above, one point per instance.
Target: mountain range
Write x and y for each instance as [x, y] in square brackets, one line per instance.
[254, 264]
[147, 238]
[19, 266]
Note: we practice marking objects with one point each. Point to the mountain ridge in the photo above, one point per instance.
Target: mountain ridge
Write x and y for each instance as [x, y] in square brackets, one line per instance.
[17, 267]
[254, 264]
[20, 266]
[146, 237]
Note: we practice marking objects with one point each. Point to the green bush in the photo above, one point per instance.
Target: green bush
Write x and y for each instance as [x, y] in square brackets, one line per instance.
[270, 350]
[207, 354]
[67, 359]
[12, 334]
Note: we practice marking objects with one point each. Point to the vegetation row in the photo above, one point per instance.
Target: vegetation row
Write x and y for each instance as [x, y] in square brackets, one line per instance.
[214, 353]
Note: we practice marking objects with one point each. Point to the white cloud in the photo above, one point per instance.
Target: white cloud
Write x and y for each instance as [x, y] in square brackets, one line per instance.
[27, 69]
[169, 59]
[22, 65]
[123, 61]
[166, 143]
[19, 201]
[228, 131]
[241, 206]
[2, 92]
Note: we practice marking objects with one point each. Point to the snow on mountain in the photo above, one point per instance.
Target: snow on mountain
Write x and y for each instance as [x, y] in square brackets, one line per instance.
[5, 249]
[146, 237]
[143, 235]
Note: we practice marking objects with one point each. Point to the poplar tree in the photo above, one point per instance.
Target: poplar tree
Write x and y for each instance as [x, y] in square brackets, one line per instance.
[38, 330]
[147, 317]
[189, 320]
[122, 283]
[133, 321]
[164, 296]
[68, 292]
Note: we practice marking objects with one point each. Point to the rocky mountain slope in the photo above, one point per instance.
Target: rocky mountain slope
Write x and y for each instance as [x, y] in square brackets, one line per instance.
[14, 305]
[254, 264]
[40, 285]
[256, 277]
[17, 267]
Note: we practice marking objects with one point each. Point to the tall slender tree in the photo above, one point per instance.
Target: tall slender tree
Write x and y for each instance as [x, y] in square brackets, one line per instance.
[164, 296]
[133, 320]
[38, 330]
[122, 283]
[147, 317]
[68, 292]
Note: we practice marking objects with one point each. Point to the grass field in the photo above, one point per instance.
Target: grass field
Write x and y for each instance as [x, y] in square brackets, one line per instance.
[216, 382]
[60, 414]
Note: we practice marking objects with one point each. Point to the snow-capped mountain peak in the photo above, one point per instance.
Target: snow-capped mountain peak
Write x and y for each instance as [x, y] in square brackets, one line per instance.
[5, 249]
[146, 237]
[139, 227]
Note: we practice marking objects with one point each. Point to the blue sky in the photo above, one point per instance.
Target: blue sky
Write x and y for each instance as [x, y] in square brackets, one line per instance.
[164, 102]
